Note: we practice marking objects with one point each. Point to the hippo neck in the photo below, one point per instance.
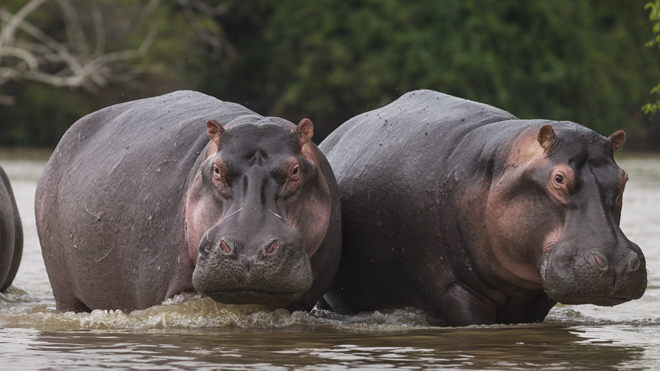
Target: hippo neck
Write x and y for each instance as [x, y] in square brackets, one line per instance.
[209, 149]
[476, 189]
[193, 177]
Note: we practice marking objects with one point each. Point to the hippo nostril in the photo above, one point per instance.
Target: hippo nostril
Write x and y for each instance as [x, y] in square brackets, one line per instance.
[224, 247]
[601, 261]
[272, 248]
[635, 265]
[633, 262]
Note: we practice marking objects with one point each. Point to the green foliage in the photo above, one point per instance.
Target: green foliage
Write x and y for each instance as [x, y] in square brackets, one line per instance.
[578, 60]
[654, 16]
[331, 59]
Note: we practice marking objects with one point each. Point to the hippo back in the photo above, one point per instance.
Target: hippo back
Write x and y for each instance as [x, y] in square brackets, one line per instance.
[412, 138]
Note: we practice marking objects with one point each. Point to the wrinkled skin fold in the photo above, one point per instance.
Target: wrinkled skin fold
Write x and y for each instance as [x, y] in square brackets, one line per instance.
[477, 217]
[147, 199]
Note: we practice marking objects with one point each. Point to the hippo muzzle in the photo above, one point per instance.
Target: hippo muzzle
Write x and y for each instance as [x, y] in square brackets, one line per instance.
[594, 276]
[271, 269]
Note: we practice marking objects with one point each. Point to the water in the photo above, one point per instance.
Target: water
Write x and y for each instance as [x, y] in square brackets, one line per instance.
[194, 333]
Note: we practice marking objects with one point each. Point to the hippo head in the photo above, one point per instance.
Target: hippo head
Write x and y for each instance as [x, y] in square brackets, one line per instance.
[559, 208]
[258, 208]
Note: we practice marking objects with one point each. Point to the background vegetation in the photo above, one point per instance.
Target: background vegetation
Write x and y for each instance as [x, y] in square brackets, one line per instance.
[578, 60]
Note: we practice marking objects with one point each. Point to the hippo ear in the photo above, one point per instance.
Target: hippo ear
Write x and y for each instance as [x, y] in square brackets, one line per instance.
[617, 140]
[547, 137]
[214, 131]
[305, 131]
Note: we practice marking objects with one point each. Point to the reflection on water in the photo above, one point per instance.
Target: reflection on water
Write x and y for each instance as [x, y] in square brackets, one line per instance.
[190, 332]
[503, 347]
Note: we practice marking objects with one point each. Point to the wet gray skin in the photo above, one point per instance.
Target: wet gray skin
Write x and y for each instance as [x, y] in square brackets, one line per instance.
[11, 234]
[465, 211]
[147, 199]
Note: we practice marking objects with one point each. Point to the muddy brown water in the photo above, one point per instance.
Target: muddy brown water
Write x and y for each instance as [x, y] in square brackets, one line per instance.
[194, 333]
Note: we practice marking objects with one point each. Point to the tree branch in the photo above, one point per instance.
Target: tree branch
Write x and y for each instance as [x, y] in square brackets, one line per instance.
[34, 55]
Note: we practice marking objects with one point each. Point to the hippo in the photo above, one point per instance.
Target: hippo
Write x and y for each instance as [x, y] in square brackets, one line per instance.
[147, 199]
[11, 234]
[477, 217]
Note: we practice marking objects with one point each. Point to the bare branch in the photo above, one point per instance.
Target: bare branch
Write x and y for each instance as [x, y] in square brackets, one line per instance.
[150, 7]
[217, 43]
[34, 55]
[23, 54]
[46, 40]
[7, 33]
[69, 59]
[129, 54]
[73, 26]
[100, 31]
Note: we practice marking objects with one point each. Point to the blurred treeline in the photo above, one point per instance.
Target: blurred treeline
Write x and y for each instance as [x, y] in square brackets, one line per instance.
[578, 60]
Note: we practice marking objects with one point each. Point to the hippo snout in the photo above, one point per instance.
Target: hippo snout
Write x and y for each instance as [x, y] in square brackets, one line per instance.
[594, 276]
[271, 271]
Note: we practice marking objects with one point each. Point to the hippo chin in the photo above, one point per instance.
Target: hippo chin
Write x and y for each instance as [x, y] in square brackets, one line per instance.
[467, 212]
[182, 192]
[11, 234]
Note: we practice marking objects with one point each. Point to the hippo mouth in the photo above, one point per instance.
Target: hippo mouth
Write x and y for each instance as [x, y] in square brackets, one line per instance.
[568, 285]
[605, 301]
[253, 297]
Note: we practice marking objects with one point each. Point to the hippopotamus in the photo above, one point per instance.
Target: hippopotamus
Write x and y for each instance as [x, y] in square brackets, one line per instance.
[11, 234]
[147, 199]
[475, 216]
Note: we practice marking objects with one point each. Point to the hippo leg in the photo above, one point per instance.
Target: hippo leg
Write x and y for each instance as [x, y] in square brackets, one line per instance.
[65, 299]
[77, 307]
[463, 308]
[538, 309]
[16, 257]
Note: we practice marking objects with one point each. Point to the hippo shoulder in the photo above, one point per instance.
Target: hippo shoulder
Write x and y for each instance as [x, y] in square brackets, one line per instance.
[152, 120]
[167, 129]
[426, 114]
[421, 127]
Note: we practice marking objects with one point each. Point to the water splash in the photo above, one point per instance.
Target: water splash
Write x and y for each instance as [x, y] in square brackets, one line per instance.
[188, 311]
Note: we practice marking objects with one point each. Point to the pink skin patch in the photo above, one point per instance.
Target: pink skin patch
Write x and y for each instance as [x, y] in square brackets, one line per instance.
[200, 214]
[549, 242]
[312, 217]
[551, 239]
[193, 232]
[513, 222]
[525, 271]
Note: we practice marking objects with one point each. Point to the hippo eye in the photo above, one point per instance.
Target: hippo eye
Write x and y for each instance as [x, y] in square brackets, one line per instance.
[559, 179]
[293, 181]
[295, 171]
[216, 170]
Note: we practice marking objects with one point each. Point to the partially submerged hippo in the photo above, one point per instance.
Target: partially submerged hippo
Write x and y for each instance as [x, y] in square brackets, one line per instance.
[11, 234]
[182, 192]
[463, 210]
